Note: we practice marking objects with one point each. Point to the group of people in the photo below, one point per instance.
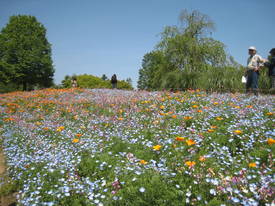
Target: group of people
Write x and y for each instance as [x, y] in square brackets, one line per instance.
[254, 63]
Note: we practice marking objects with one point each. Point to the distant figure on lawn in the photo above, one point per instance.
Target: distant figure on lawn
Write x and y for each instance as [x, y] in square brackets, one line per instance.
[74, 82]
[114, 81]
[254, 63]
[270, 64]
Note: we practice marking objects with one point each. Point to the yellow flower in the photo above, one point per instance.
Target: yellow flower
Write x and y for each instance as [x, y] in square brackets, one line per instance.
[270, 141]
[195, 106]
[216, 103]
[143, 162]
[161, 107]
[219, 118]
[252, 164]
[46, 128]
[238, 131]
[269, 113]
[190, 142]
[38, 123]
[157, 147]
[61, 128]
[179, 138]
[75, 140]
[76, 117]
[190, 163]
[210, 130]
[120, 118]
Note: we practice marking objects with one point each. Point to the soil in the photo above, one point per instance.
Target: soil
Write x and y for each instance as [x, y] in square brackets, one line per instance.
[10, 199]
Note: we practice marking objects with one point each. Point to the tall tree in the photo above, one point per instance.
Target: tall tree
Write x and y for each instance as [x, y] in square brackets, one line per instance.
[186, 52]
[25, 53]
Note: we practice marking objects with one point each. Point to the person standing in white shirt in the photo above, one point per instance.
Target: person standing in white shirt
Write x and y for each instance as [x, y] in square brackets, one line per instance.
[254, 63]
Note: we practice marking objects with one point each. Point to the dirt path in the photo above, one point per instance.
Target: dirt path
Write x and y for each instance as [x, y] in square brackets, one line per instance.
[8, 200]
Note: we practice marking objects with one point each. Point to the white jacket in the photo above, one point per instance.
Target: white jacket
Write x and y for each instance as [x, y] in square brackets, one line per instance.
[254, 62]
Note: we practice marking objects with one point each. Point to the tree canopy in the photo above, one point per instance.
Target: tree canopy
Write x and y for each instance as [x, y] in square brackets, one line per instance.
[25, 53]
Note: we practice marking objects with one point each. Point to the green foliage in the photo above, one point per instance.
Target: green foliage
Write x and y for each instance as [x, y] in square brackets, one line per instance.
[157, 191]
[25, 53]
[91, 81]
[7, 186]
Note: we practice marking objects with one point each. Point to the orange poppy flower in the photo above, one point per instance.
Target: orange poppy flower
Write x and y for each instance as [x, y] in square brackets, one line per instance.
[75, 140]
[143, 162]
[202, 158]
[270, 141]
[238, 131]
[179, 138]
[190, 163]
[188, 117]
[190, 142]
[252, 164]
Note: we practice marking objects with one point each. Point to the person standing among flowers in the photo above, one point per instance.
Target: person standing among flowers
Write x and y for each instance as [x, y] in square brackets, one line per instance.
[254, 63]
[74, 82]
[114, 81]
[270, 64]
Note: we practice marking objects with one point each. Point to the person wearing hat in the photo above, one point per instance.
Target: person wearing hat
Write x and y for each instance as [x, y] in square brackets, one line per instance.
[254, 63]
[270, 64]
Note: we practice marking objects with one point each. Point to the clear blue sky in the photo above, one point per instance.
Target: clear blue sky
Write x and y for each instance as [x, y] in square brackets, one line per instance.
[111, 36]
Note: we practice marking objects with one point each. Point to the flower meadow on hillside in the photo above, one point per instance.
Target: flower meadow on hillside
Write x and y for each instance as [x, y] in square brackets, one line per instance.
[113, 147]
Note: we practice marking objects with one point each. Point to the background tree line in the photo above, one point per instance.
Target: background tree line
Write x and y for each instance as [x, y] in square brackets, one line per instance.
[188, 57]
[91, 81]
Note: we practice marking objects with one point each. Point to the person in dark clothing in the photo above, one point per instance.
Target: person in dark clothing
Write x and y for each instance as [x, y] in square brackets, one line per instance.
[74, 82]
[114, 81]
[270, 64]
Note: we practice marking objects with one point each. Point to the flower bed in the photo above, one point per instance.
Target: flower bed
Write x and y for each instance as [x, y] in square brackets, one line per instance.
[112, 147]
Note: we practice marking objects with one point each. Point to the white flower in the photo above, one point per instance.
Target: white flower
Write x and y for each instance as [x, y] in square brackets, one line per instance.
[142, 189]
[213, 192]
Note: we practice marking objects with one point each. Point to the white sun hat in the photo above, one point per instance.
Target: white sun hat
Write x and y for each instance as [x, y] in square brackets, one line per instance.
[252, 48]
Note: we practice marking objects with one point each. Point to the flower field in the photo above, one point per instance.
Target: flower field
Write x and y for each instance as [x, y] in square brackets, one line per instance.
[112, 147]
